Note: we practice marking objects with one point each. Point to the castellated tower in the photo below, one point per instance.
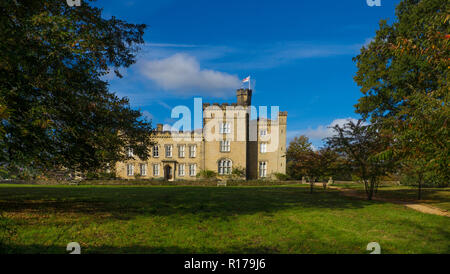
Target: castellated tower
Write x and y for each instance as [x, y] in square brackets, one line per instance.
[244, 97]
[225, 129]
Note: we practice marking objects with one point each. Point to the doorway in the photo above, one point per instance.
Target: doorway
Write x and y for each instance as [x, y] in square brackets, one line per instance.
[168, 173]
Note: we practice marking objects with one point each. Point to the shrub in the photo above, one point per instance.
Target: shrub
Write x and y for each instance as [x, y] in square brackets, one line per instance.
[91, 175]
[356, 178]
[281, 176]
[100, 175]
[430, 180]
[238, 172]
[207, 174]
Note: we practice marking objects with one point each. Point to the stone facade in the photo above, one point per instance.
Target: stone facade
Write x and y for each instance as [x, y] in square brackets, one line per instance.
[228, 141]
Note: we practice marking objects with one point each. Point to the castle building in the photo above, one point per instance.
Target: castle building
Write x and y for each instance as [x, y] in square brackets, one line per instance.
[230, 144]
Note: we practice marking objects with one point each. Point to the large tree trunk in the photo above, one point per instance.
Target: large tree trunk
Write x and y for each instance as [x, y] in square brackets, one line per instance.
[419, 193]
[366, 187]
[371, 188]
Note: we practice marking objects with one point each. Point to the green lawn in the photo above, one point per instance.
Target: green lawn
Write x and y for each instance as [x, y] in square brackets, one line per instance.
[181, 219]
[438, 197]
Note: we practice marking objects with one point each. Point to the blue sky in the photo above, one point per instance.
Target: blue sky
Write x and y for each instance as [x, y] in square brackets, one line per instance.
[298, 54]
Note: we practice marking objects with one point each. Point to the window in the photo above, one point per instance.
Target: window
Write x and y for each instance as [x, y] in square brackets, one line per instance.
[155, 170]
[156, 151]
[224, 146]
[262, 169]
[192, 150]
[225, 167]
[130, 152]
[263, 132]
[181, 151]
[130, 169]
[168, 151]
[192, 169]
[263, 147]
[225, 128]
[181, 171]
[143, 169]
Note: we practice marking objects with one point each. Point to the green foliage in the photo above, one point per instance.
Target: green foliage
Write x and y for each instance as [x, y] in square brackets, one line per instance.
[281, 176]
[91, 175]
[356, 178]
[100, 175]
[363, 146]
[429, 179]
[300, 158]
[238, 172]
[207, 174]
[403, 75]
[137, 176]
[55, 108]
[302, 161]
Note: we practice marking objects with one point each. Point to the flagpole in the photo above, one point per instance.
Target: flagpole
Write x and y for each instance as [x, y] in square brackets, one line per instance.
[249, 82]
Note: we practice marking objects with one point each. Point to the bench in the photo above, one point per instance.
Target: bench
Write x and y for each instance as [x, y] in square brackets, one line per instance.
[222, 183]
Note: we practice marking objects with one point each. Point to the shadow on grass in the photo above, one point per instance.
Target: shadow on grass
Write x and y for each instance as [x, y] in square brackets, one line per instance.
[316, 247]
[138, 249]
[127, 202]
[430, 195]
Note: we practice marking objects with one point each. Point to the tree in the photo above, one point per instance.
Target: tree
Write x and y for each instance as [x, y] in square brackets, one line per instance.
[364, 147]
[295, 152]
[403, 74]
[329, 163]
[302, 160]
[55, 109]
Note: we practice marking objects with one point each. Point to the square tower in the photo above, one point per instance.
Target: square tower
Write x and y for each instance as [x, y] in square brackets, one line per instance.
[244, 97]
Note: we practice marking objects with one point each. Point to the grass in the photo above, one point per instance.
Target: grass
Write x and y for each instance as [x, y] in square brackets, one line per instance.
[437, 197]
[181, 219]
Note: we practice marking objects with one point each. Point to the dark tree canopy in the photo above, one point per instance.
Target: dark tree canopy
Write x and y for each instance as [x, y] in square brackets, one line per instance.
[299, 156]
[364, 148]
[55, 109]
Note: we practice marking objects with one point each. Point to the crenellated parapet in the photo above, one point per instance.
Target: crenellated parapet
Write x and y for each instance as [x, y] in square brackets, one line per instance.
[223, 106]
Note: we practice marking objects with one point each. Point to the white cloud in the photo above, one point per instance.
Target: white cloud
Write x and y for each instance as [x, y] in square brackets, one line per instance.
[268, 56]
[147, 115]
[320, 132]
[181, 74]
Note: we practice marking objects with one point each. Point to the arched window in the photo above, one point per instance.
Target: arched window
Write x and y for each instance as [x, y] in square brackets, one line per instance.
[225, 166]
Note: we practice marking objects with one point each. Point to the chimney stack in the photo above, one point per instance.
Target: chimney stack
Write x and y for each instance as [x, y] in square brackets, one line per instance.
[159, 127]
